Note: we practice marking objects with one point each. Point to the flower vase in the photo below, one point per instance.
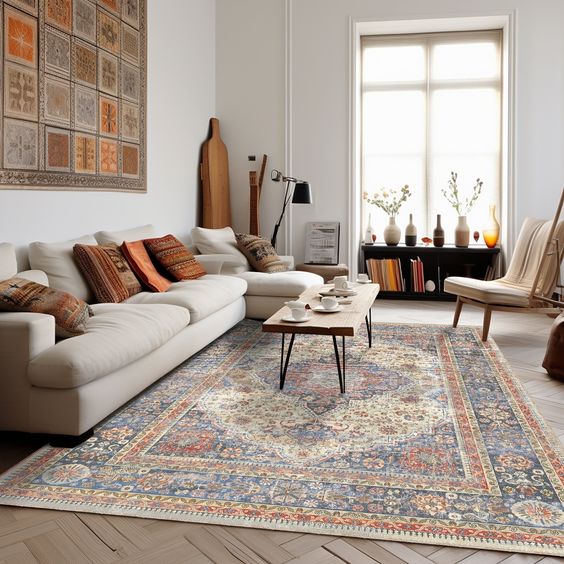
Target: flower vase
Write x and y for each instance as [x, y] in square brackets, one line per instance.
[392, 233]
[369, 232]
[491, 231]
[410, 233]
[438, 233]
[462, 232]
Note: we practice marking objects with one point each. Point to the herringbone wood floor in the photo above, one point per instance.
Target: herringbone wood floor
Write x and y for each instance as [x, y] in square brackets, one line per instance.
[30, 535]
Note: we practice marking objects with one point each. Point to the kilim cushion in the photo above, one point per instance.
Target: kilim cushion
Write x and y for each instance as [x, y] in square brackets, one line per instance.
[174, 257]
[124, 270]
[70, 313]
[141, 263]
[260, 253]
[101, 273]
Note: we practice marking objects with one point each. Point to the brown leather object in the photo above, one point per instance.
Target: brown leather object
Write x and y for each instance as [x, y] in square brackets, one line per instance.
[554, 359]
[138, 258]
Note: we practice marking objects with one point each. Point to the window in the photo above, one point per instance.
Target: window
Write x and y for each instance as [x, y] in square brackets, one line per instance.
[431, 104]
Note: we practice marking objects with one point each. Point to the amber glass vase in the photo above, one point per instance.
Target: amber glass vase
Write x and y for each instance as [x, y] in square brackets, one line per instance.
[491, 230]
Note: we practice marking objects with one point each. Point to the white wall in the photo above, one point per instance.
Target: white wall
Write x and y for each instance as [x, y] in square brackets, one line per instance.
[181, 99]
[320, 94]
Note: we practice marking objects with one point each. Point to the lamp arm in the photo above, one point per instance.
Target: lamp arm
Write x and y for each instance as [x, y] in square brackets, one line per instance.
[286, 201]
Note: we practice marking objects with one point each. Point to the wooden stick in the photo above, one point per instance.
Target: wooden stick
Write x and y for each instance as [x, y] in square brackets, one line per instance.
[261, 174]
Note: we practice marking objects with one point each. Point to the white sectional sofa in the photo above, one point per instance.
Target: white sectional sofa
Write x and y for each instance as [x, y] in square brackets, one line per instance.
[66, 387]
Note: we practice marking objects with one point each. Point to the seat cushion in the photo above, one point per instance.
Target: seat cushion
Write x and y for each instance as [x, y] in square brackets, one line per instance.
[56, 260]
[279, 284]
[115, 336]
[488, 292]
[201, 297]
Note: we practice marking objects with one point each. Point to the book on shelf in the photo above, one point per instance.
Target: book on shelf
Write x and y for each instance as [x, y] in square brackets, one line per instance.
[417, 276]
[387, 273]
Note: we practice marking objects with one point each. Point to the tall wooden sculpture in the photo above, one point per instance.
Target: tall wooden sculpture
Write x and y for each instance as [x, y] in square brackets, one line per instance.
[256, 188]
[214, 172]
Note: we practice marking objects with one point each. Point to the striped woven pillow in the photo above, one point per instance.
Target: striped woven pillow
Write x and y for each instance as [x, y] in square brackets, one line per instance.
[174, 258]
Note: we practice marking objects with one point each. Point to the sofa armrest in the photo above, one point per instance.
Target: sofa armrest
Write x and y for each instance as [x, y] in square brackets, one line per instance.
[22, 337]
[222, 264]
[289, 261]
[35, 276]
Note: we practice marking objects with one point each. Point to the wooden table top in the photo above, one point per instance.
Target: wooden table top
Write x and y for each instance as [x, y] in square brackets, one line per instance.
[342, 323]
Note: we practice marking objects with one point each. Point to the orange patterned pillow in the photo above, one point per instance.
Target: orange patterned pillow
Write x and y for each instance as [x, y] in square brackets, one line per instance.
[70, 313]
[101, 273]
[174, 257]
[140, 262]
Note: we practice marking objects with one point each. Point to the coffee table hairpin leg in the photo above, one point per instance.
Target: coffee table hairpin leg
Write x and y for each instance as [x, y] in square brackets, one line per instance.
[341, 372]
[284, 365]
[368, 320]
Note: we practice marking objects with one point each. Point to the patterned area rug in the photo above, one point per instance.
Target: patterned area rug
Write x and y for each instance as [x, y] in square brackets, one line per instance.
[434, 442]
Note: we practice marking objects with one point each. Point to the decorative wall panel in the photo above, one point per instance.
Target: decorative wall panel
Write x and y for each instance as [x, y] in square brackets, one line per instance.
[73, 95]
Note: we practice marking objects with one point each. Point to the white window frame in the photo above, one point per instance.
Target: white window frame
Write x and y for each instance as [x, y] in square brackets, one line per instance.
[362, 27]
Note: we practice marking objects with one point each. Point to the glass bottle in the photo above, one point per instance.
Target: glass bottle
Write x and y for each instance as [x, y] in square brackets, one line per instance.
[491, 230]
[410, 233]
[438, 233]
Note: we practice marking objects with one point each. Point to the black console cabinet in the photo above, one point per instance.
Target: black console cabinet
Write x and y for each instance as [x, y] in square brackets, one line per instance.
[476, 261]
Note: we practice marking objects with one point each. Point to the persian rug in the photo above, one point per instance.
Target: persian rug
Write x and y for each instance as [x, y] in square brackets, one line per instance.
[434, 442]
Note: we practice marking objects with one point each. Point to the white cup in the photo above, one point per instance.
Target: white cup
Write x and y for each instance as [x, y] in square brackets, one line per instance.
[341, 282]
[363, 277]
[298, 313]
[328, 302]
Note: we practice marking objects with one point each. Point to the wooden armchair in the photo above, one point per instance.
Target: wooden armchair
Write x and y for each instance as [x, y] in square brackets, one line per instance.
[530, 280]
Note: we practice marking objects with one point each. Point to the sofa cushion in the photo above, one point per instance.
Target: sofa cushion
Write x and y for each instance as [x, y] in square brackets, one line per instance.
[101, 273]
[71, 314]
[260, 253]
[279, 284]
[138, 258]
[56, 260]
[115, 336]
[8, 262]
[178, 262]
[201, 297]
[219, 242]
[133, 234]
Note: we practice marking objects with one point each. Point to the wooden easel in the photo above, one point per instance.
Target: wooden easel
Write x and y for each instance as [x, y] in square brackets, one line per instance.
[256, 188]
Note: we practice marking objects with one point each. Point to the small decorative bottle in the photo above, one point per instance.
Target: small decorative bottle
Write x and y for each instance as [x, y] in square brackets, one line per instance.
[438, 233]
[369, 232]
[491, 231]
[410, 233]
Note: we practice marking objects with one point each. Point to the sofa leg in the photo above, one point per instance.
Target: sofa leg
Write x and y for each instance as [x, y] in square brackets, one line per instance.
[69, 441]
[459, 304]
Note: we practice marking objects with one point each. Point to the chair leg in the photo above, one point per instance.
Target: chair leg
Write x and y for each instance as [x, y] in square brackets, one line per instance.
[487, 320]
[459, 304]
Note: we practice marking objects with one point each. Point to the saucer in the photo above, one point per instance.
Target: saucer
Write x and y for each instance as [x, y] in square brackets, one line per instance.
[335, 292]
[290, 319]
[321, 309]
[364, 281]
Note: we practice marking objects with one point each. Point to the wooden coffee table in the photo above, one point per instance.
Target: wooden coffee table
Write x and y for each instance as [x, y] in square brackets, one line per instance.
[344, 323]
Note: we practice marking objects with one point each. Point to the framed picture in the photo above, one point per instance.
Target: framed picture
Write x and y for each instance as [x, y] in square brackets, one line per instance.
[322, 242]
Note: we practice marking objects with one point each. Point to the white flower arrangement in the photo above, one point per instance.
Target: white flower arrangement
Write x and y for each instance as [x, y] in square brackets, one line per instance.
[388, 200]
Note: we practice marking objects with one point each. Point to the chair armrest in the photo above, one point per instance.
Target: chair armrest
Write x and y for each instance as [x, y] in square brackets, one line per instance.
[35, 276]
[289, 261]
[222, 264]
[22, 337]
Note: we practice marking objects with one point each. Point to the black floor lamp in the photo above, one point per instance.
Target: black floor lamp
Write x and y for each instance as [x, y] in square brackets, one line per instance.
[300, 195]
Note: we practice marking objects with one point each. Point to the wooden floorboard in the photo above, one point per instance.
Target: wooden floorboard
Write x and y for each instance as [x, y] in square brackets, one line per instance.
[43, 536]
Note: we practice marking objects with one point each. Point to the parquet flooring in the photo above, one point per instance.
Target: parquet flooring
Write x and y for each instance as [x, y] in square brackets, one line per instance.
[55, 537]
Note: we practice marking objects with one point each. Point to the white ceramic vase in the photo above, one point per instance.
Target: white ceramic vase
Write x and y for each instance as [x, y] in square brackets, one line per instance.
[392, 233]
[462, 232]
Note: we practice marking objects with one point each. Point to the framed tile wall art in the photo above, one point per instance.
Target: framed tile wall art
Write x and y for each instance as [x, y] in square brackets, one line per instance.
[73, 109]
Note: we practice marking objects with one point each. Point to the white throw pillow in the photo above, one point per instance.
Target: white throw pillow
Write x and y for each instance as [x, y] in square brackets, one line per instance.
[118, 237]
[217, 242]
[8, 262]
[57, 261]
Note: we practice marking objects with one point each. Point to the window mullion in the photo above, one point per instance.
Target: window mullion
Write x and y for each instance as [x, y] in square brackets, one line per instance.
[427, 139]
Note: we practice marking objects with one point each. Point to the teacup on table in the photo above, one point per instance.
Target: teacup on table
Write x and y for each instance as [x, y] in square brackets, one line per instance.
[298, 313]
[341, 283]
[329, 302]
[363, 277]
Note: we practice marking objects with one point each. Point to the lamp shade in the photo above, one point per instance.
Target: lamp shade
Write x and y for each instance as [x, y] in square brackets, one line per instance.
[302, 193]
